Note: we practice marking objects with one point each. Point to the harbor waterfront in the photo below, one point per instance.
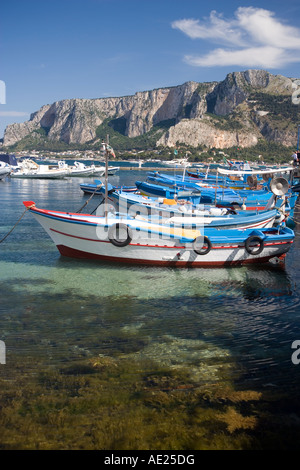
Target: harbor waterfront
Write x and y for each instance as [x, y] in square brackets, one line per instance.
[106, 356]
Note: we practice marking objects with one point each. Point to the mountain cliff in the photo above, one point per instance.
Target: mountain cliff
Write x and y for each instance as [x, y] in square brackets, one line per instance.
[240, 110]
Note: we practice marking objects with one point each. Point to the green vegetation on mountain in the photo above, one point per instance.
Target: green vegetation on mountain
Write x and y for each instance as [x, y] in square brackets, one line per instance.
[278, 107]
[195, 118]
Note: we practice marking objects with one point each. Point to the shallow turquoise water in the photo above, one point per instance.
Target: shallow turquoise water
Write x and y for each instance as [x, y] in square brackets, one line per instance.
[243, 319]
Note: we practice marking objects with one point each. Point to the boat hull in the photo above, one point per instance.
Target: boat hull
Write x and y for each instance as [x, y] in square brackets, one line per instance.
[87, 237]
[55, 174]
[4, 173]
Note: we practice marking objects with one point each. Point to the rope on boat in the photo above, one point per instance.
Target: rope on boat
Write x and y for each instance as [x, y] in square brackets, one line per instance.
[93, 194]
[19, 220]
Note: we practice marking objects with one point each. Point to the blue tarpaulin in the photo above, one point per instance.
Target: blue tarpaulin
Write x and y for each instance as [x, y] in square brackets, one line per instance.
[10, 159]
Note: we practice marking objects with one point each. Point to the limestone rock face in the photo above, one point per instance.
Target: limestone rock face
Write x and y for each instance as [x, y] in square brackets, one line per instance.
[195, 132]
[237, 86]
[154, 106]
[185, 110]
[15, 132]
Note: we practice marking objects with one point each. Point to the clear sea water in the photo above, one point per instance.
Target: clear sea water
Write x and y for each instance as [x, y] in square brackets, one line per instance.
[181, 344]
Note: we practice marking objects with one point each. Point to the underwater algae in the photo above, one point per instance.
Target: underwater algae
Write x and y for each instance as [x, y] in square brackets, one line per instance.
[111, 403]
[173, 363]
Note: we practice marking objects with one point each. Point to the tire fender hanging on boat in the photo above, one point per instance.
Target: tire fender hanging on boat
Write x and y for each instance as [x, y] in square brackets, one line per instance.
[203, 241]
[113, 234]
[252, 249]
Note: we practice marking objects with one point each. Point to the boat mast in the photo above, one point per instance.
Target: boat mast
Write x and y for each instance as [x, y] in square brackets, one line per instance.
[105, 150]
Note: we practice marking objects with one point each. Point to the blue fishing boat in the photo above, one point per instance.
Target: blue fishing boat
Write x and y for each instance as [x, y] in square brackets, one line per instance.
[251, 201]
[184, 214]
[188, 185]
[193, 195]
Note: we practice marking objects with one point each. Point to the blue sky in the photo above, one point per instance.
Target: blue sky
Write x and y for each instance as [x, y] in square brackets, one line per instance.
[63, 49]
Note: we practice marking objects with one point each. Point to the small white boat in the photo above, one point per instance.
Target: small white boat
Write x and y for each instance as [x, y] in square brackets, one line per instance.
[5, 170]
[100, 170]
[30, 169]
[183, 162]
[78, 169]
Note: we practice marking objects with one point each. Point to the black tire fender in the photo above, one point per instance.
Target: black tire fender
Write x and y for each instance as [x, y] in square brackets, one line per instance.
[251, 249]
[205, 241]
[113, 234]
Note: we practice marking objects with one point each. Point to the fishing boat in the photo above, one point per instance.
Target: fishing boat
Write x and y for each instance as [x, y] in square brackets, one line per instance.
[206, 195]
[30, 169]
[185, 214]
[125, 239]
[243, 178]
[193, 195]
[176, 183]
[252, 200]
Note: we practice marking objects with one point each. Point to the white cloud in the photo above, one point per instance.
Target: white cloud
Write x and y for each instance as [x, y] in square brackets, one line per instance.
[263, 28]
[258, 38]
[268, 57]
[13, 113]
[214, 28]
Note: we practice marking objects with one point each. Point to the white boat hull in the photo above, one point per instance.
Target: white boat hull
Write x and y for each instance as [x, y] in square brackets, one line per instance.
[4, 170]
[100, 171]
[85, 236]
[41, 175]
[4, 173]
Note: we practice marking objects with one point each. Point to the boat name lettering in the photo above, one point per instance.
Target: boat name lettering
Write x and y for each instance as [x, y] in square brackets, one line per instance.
[295, 94]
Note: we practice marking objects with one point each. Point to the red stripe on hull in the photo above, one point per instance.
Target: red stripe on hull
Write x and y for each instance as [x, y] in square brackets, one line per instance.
[73, 253]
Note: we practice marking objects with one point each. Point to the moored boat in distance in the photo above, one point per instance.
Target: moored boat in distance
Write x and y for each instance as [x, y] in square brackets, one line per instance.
[78, 169]
[30, 169]
[111, 170]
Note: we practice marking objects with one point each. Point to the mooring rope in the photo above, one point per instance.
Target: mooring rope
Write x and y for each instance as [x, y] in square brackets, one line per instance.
[27, 208]
[86, 202]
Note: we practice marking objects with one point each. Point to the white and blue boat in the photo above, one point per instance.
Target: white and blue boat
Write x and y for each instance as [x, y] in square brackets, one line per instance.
[125, 239]
[184, 213]
[192, 216]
